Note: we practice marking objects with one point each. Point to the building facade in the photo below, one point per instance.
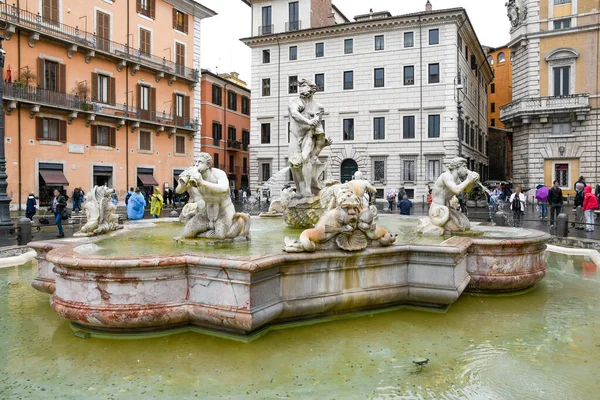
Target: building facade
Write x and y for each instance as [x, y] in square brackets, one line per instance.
[390, 87]
[554, 112]
[226, 125]
[98, 93]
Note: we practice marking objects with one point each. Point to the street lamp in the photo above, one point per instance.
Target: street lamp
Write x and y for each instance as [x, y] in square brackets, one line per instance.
[6, 224]
[459, 96]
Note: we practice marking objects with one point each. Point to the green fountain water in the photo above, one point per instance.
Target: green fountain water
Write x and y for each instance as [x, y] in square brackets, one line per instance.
[539, 345]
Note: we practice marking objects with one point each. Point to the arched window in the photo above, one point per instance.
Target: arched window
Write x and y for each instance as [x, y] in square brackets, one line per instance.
[491, 60]
[501, 57]
[347, 170]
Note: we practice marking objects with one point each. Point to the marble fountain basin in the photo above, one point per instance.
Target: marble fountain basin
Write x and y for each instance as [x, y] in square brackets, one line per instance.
[139, 279]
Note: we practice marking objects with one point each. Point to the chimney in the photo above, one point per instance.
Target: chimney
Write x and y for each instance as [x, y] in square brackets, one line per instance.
[428, 6]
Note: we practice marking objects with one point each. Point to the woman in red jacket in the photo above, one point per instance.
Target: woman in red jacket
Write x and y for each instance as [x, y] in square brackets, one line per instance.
[590, 203]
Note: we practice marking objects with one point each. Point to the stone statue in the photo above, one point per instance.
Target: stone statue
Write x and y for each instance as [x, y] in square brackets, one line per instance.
[347, 225]
[443, 218]
[210, 212]
[100, 212]
[307, 139]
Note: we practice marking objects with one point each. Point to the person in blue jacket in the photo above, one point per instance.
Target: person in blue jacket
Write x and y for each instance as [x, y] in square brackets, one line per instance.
[135, 206]
[404, 206]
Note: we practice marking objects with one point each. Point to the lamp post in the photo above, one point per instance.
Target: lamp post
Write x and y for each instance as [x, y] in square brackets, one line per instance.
[6, 224]
[458, 98]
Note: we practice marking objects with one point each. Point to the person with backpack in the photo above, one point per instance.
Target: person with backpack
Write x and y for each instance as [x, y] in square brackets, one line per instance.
[30, 209]
[578, 204]
[555, 199]
[128, 196]
[58, 207]
[405, 205]
[517, 205]
[590, 204]
[135, 205]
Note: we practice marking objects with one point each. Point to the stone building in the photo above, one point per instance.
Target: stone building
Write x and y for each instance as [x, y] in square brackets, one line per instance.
[98, 93]
[390, 86]
[226, 124]
[554, 112]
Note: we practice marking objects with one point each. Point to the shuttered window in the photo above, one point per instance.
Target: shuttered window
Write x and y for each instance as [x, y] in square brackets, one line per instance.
[146, 7]
[180, 21]
[103, 136]
[182, 109]
[179, 144]
[180, 57]
[103, 89]
[50, 11]
[53, 75]
[103, 31]
[145, 141]
[145, 42]
[50, 129]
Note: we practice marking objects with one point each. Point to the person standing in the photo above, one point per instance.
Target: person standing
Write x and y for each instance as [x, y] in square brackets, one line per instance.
[136, 205]
[156, 203]
[581, 181]
[59, 205]
[541, 194]
[517, 205]
[244, 196]
[76, 200]
[578, 204]
[590, 204]
[405, 205]
[555, 198]
[128, 196]
[30, 207]
[170, 198]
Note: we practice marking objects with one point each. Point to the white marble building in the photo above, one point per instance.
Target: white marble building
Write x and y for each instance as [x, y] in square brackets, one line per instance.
[388, 85]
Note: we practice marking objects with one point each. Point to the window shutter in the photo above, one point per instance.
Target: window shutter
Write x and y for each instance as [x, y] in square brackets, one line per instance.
[46, 12]
[152, 9]
[185, 23]
[174, 18]
[112, 140]
[55, 11]
[174, 105]
[62, 78]
[112, 97]
[94, 135]
[186, 109]
[138, 6]
[152, 102]
[62, 131]
[94, 95]
[39, 128]
[41, 73]
[139, 96]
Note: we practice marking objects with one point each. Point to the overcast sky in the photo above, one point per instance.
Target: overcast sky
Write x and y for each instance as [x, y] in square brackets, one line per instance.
[222, 50]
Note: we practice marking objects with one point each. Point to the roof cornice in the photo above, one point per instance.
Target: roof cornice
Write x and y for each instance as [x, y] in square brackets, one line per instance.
[224, 81]
[192, 7]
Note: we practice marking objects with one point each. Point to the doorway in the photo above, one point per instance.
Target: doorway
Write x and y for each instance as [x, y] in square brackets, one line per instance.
[347, 170]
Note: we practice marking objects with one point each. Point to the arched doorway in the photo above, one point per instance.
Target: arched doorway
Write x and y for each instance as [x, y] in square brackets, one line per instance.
[347, 170]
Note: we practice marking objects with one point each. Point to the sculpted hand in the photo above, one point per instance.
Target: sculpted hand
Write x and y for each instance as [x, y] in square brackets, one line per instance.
[474, 176]
[314, 122]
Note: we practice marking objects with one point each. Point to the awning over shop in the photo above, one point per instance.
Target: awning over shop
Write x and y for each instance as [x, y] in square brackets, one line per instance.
[54, 177]
[101, 170]
[147, 180]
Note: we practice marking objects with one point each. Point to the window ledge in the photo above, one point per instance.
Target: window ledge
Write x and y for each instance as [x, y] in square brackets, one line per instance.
[105, 148]
[147, 18]
[180, 32]
[179, 155]
[51, 143]
[145, 152]
[561, 136]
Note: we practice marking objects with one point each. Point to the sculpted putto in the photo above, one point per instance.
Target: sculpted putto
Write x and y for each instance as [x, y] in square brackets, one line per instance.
[99, 212]
[210, 212]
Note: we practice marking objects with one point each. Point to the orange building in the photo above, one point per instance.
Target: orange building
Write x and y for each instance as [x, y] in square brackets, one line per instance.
[226, 124]
[99, 92]
[500, 90]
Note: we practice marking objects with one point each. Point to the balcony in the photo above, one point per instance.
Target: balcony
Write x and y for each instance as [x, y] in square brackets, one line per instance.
[233, 170]
[293, 26]
[244, 170]
[266, 30]
[234, 145]
[37, 97]
[525, 110]
[89, 43]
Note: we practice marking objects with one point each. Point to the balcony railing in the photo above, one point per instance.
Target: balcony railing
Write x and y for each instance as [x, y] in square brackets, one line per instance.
[234, 144]
[233, 169]
[245, 146]
[266, 30]
[578, 103]
[216, 142]
[49, 98]
[293, 26]
[73, 35]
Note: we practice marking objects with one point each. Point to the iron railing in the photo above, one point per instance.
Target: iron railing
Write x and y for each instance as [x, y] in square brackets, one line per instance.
[293, 26]
[234, 144]
[266, 30]
[36, 23]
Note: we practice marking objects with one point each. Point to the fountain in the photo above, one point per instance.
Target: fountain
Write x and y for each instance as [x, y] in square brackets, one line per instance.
[100, 213]
[348, 260]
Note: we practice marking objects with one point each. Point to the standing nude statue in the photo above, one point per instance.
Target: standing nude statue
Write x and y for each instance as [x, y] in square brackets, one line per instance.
[307, 140]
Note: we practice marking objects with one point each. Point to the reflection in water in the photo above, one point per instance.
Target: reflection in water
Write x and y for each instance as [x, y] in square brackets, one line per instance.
[540, 345]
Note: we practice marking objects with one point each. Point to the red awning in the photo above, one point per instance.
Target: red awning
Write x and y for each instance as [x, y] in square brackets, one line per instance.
[54, 177]
[147, 180]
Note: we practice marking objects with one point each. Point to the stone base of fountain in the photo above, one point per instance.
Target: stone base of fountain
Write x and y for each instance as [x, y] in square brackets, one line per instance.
[209, 242]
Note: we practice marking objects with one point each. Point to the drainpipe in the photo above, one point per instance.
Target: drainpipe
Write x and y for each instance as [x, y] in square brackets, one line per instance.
[459, 134]
[597, 90]
[225, 100]
[19, 119]
[421, 99]
[127, 112]
[278, 103]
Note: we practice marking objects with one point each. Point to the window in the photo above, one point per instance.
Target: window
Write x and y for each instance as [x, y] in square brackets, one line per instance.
[245, 138]
[179, 105]
[490, 60]
[348, 124]
[434, 36]
[294, 16]
[409, 39]
[348, 80]
[379, 77]
[144, 98]
[493, 122]
[145, 42]
[103, 30]
[266, 87]
[459, 43]
[561, 80]
[561, 128]
[320, 82]
[493, 107]
[559, 2]
[408, 170]
[265, 133]
[217, 133]
[232, 133]
[146, 7]
[434, 73]
[293, 53]
[379, 42]
[561, 174]
[409, 75]
[232, 100]
[320, 49]
[348, 46]
[216, 95]
[293, 84]
[145, 141]
[50, 129]
[434, 126]
[180, 58]
[102, 94]
[433, 170]
[492, 88]
[216, 161]
[180, 21]
[562, 23]
[245, 105]
[50, 13]
[102, 136]
[472, 136]
[50, 75]
[266, 56]
[267, 27]
[379, 128]
[480, 143]
[501, 57]
[408, 127]
[266, 172]
[379, 170]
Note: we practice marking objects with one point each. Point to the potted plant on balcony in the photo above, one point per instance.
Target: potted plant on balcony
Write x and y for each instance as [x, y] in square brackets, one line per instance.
[26, 77]
[81, 91]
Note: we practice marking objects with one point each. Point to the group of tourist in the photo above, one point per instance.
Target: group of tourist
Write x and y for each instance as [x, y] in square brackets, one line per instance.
[240, 194]
[136, 202]
[404, 204]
